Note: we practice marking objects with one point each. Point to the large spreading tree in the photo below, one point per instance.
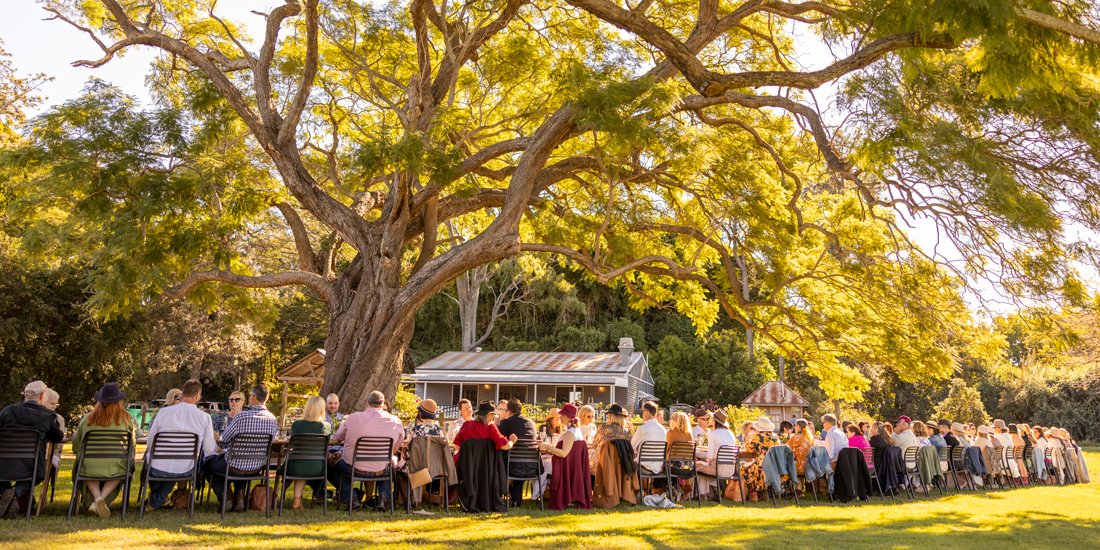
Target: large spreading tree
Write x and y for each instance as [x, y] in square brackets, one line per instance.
[677, 148]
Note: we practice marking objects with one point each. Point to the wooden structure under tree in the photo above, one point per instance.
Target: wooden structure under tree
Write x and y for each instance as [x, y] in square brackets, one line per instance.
[307, 371]
[778, 401]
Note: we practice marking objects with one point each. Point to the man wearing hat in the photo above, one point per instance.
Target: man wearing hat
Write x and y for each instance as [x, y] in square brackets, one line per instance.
[31, 414]
[702, 424]
[719, 437]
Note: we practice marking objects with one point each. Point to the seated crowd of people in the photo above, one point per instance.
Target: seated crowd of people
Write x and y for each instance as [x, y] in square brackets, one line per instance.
[578, 461]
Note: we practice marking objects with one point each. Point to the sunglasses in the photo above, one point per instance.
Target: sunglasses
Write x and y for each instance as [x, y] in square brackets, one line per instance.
[235, 399]
[177, 398]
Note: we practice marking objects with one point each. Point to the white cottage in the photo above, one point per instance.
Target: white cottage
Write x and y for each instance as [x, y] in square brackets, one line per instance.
[535, 377]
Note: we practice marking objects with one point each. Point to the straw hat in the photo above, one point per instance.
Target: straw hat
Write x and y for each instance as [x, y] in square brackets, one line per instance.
[985, 430]
[763, 424]
[958, 428]
[428, 408]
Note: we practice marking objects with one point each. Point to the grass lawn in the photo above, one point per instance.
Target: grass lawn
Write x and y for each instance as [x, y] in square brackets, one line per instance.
[1038, 517]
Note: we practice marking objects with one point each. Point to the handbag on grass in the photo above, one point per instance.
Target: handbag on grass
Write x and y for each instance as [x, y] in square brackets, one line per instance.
[733, 491]
[259, 499]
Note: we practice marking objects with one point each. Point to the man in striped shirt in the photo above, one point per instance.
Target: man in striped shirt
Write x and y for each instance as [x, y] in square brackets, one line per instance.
[255, 419]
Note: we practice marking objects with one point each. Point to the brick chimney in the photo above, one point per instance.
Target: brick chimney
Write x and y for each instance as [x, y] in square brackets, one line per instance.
[626, 349]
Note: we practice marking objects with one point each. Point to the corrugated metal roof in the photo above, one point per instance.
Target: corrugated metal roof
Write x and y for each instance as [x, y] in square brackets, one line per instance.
[530, 361]
[515, 377]
[775, 394]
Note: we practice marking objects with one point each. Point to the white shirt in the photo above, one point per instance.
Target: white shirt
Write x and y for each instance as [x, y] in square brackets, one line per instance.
[700, 431]
[1005, 439]
[718, 438]
[452, 430]
[588, 432]
[835, 441]
[650, 431]
[905, 439]
[183, 417]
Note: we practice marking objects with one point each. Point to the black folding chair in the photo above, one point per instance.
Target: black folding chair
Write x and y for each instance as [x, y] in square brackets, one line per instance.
[682, 454]
[652, 452]
[21, 445]
[372, 449]
[869, 456]
[247, 448]
[945, 459]
[912, 472]
[304, 448]
[109, 445]
[729, 456]
[171, 446]
[525, 451]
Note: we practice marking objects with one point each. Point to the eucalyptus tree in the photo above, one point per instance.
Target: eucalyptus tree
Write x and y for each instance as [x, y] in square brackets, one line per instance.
[672, 146]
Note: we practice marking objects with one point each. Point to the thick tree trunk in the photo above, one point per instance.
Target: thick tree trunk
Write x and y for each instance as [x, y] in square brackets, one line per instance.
[367, 338]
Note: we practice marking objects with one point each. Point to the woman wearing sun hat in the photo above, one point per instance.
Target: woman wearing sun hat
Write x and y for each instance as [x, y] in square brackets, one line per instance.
[758, 445]
[108, 415]
[571, 481]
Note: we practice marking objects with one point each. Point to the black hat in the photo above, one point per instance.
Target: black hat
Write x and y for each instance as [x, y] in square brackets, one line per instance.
[109, 393]
[616, 409]
[486, 407]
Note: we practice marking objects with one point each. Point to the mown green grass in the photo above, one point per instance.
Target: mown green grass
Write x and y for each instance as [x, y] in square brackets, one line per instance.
[1040, 517]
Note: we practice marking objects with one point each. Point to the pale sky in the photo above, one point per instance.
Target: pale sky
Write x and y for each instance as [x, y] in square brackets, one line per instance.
[40, 46]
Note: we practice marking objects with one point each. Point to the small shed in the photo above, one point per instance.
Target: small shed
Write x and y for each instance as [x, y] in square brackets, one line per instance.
[307, 371]
[778, 401]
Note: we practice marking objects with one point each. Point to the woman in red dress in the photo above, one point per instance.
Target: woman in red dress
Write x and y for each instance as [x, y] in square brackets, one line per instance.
[571, 481]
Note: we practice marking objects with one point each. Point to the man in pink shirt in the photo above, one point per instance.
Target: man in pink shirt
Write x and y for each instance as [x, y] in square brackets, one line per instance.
[372, 422]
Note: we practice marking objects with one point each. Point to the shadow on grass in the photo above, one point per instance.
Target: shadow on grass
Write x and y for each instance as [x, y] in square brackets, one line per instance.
[1036, 517]
[858, 526]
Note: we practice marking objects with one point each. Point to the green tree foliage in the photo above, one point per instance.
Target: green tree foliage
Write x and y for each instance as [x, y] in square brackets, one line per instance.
[46, 334]
[673, 149]
[962, 404]
[715, 367]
